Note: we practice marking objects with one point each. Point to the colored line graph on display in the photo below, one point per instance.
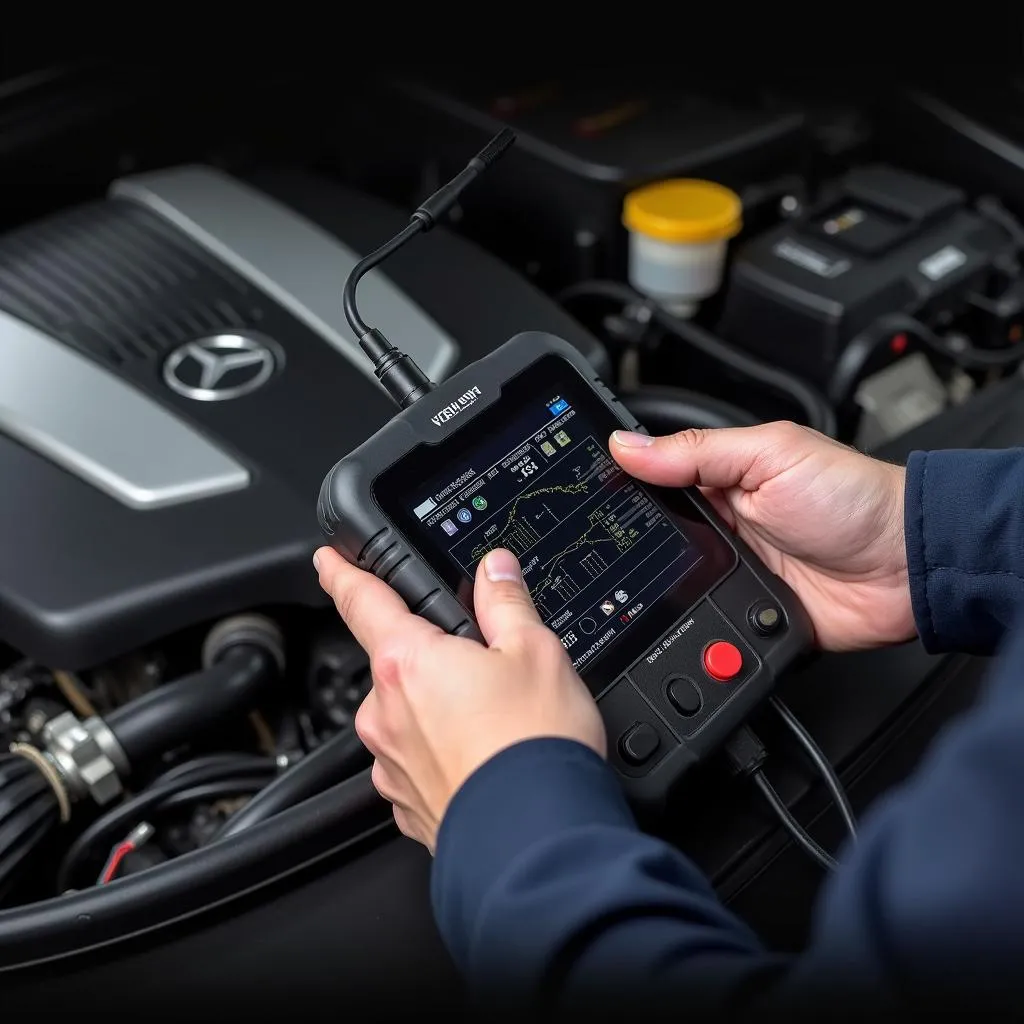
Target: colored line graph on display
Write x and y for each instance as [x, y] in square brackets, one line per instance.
[525, 523]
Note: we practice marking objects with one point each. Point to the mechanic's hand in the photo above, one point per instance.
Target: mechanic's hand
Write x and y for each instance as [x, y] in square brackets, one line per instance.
[441, 705]
[825, 518]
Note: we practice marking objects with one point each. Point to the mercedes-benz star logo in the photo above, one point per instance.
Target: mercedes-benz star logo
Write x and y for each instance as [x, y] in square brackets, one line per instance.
[223, 366]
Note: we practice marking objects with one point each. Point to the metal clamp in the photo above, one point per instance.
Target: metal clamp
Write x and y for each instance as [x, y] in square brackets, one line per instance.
[46, 767]
[87, 755]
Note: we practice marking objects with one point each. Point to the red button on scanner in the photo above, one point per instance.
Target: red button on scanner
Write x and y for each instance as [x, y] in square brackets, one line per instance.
[722, 661]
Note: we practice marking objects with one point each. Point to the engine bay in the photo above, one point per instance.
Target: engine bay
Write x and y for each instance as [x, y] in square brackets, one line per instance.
[179, 376]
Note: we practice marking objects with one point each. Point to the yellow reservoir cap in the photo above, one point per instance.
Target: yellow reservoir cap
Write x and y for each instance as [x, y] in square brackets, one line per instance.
[684, 210]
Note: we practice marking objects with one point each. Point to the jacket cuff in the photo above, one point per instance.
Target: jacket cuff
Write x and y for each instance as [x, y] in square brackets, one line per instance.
[917, 562]
[964, 529]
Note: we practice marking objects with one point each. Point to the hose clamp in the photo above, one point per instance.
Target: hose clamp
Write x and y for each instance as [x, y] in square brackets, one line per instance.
[87, 755]
[44, 764]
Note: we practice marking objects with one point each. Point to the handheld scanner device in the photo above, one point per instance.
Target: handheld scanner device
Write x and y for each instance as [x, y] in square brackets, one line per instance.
[674, 624]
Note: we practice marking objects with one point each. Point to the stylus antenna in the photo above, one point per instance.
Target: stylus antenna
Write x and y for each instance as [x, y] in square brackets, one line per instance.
[403, 380]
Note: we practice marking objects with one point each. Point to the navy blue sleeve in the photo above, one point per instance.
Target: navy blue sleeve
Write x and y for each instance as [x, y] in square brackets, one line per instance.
[543, 884]
[964, 526]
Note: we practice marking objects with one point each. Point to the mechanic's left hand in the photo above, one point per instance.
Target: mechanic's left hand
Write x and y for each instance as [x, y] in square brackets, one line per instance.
[441, 705]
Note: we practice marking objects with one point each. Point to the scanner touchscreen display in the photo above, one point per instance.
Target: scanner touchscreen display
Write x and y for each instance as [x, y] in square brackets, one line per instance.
[596, 550]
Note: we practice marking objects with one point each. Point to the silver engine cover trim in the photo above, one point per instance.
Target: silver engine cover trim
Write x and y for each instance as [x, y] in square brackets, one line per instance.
[96, 426]
[293, 261]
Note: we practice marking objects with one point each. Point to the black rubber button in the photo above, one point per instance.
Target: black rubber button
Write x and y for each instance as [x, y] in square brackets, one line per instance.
[765, 618]
[684, 696]
[639, 743]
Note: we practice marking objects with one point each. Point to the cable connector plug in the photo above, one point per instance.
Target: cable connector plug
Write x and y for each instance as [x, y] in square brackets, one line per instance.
[401, 378]
[431, 210]
[745, 751]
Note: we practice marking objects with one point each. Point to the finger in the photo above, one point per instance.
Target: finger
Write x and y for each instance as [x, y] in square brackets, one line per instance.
[388, 782]
[370, 608]
[722, 457]
[367, 723]
[408, 824]
[501, 600]
[721, 505]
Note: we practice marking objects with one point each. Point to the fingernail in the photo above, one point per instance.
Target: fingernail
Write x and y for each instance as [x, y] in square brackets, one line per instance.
[316, 560]
[629, 439]
[501, 565]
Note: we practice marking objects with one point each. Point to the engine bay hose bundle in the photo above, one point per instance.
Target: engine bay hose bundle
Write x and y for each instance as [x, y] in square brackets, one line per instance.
[338, 759]
[95, 758]
[28, 812]
[349, 813]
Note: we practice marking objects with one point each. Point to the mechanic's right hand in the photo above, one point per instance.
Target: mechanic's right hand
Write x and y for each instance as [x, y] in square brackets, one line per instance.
[825, 518]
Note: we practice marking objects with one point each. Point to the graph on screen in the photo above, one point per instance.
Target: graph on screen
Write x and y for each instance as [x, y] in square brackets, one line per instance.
[569, 529]
[535, 513]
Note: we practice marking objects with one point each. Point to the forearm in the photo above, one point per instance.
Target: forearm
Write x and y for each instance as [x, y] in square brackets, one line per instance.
[543, 885]
[964, 525]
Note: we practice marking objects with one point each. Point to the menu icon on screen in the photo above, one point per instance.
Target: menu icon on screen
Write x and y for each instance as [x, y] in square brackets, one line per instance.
[425, 508]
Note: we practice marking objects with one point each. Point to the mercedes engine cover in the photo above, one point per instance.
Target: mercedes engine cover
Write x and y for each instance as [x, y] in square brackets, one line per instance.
[177, 377]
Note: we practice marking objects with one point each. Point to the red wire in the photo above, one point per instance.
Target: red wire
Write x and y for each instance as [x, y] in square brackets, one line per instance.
[117, 855]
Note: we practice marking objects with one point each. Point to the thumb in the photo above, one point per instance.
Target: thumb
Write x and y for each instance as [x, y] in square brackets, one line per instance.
[501, 599]
[721, 457]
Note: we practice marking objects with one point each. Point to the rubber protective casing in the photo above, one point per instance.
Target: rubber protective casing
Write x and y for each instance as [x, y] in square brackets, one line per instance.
[355, 525]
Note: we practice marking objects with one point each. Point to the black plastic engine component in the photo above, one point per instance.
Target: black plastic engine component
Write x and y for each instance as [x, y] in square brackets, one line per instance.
[553, 206]
[178, 376]
[967, 128]
[881, 241]
[337, 679]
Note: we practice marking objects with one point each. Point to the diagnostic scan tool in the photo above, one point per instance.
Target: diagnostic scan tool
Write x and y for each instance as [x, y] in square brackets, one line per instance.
[676, 627]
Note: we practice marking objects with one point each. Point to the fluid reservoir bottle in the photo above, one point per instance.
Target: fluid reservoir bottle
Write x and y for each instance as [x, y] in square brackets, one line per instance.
[678, 234]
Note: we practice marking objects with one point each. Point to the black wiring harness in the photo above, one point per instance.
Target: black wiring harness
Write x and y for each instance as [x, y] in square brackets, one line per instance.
[203, 779]
[747, 755]
[122, 830]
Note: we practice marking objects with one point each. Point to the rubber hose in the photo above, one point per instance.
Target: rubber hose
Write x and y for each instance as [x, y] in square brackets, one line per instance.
[338, 759]
[665, 410]
[236, 763]
[172, 714]
[819, 413]
[212, 791]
